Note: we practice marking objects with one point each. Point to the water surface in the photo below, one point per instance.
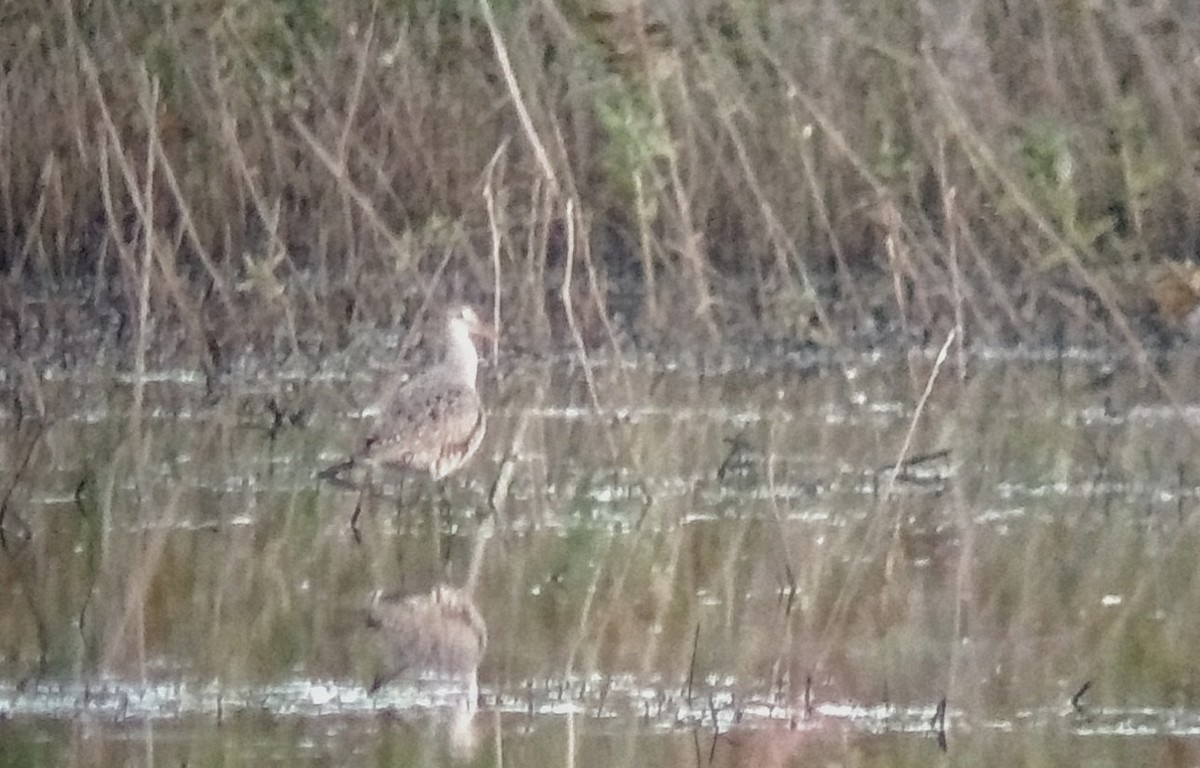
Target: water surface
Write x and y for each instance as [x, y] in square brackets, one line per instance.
[788, 561]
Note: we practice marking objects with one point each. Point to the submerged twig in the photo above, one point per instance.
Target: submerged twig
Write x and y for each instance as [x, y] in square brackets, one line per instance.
[909, 462]
[692, 666]
[1182, 483]
[939, 715]
[938, 722]
[1077, 699]
[736, 458]
[354, 529]
[604, 689]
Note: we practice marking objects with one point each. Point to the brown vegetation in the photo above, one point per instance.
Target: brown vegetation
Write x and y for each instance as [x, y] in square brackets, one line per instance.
[206, 178]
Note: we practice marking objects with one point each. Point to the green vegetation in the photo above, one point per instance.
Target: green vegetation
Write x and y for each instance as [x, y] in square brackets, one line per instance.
[270, 176]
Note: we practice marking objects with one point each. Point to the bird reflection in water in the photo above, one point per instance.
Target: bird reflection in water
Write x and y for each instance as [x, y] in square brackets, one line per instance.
[438, 635]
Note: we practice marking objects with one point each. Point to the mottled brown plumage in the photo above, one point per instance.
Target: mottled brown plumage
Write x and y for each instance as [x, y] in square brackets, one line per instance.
[440, 633]
[1175, 295]
[434, 424]
[435, 421]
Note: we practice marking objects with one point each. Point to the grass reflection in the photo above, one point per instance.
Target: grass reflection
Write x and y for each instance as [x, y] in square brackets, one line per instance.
[635, 577]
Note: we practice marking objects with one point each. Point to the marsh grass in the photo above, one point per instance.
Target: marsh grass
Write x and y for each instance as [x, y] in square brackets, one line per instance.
[1056, 549]
[193, 181]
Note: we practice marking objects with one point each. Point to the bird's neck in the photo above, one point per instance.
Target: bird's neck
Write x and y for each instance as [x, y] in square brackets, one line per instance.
[461, 355]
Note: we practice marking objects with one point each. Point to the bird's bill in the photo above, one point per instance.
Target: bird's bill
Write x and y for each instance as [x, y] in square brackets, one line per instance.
[480, 328]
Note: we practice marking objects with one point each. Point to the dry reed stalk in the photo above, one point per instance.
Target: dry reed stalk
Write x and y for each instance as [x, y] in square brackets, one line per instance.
[541, 221]
[788, 258]
[39, 211]
[839, 616]
[690, 245]
[902, 455]
[514, 91]
[956, 286]
[568, 302]
[489, 198]
[986, 161]
[957, 232]
[371, 106]
[142, 340]
[840, 141]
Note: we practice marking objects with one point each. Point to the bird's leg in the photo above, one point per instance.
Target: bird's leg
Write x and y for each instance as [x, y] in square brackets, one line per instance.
[498, 493]
[363, 493]
[402, 484]
[443, 498]
[354, 519]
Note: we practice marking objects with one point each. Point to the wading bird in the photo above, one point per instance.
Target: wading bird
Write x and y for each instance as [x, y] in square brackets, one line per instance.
[433, 423]
[440, 632]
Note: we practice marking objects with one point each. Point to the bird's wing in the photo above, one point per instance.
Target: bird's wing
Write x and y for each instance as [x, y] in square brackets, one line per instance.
[422, 421]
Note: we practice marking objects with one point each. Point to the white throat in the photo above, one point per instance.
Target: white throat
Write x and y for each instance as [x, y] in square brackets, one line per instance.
[461, 355]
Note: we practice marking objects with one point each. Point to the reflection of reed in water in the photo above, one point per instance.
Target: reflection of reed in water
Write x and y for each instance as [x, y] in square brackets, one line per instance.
[440, 632]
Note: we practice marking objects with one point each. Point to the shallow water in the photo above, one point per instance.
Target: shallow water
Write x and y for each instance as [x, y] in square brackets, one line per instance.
[746, 563]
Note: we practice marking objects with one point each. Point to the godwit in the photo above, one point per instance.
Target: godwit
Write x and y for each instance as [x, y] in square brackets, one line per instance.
[432, 423]
[441, 632]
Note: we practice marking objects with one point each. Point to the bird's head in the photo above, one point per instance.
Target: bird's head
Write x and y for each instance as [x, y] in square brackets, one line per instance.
[463, 320]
